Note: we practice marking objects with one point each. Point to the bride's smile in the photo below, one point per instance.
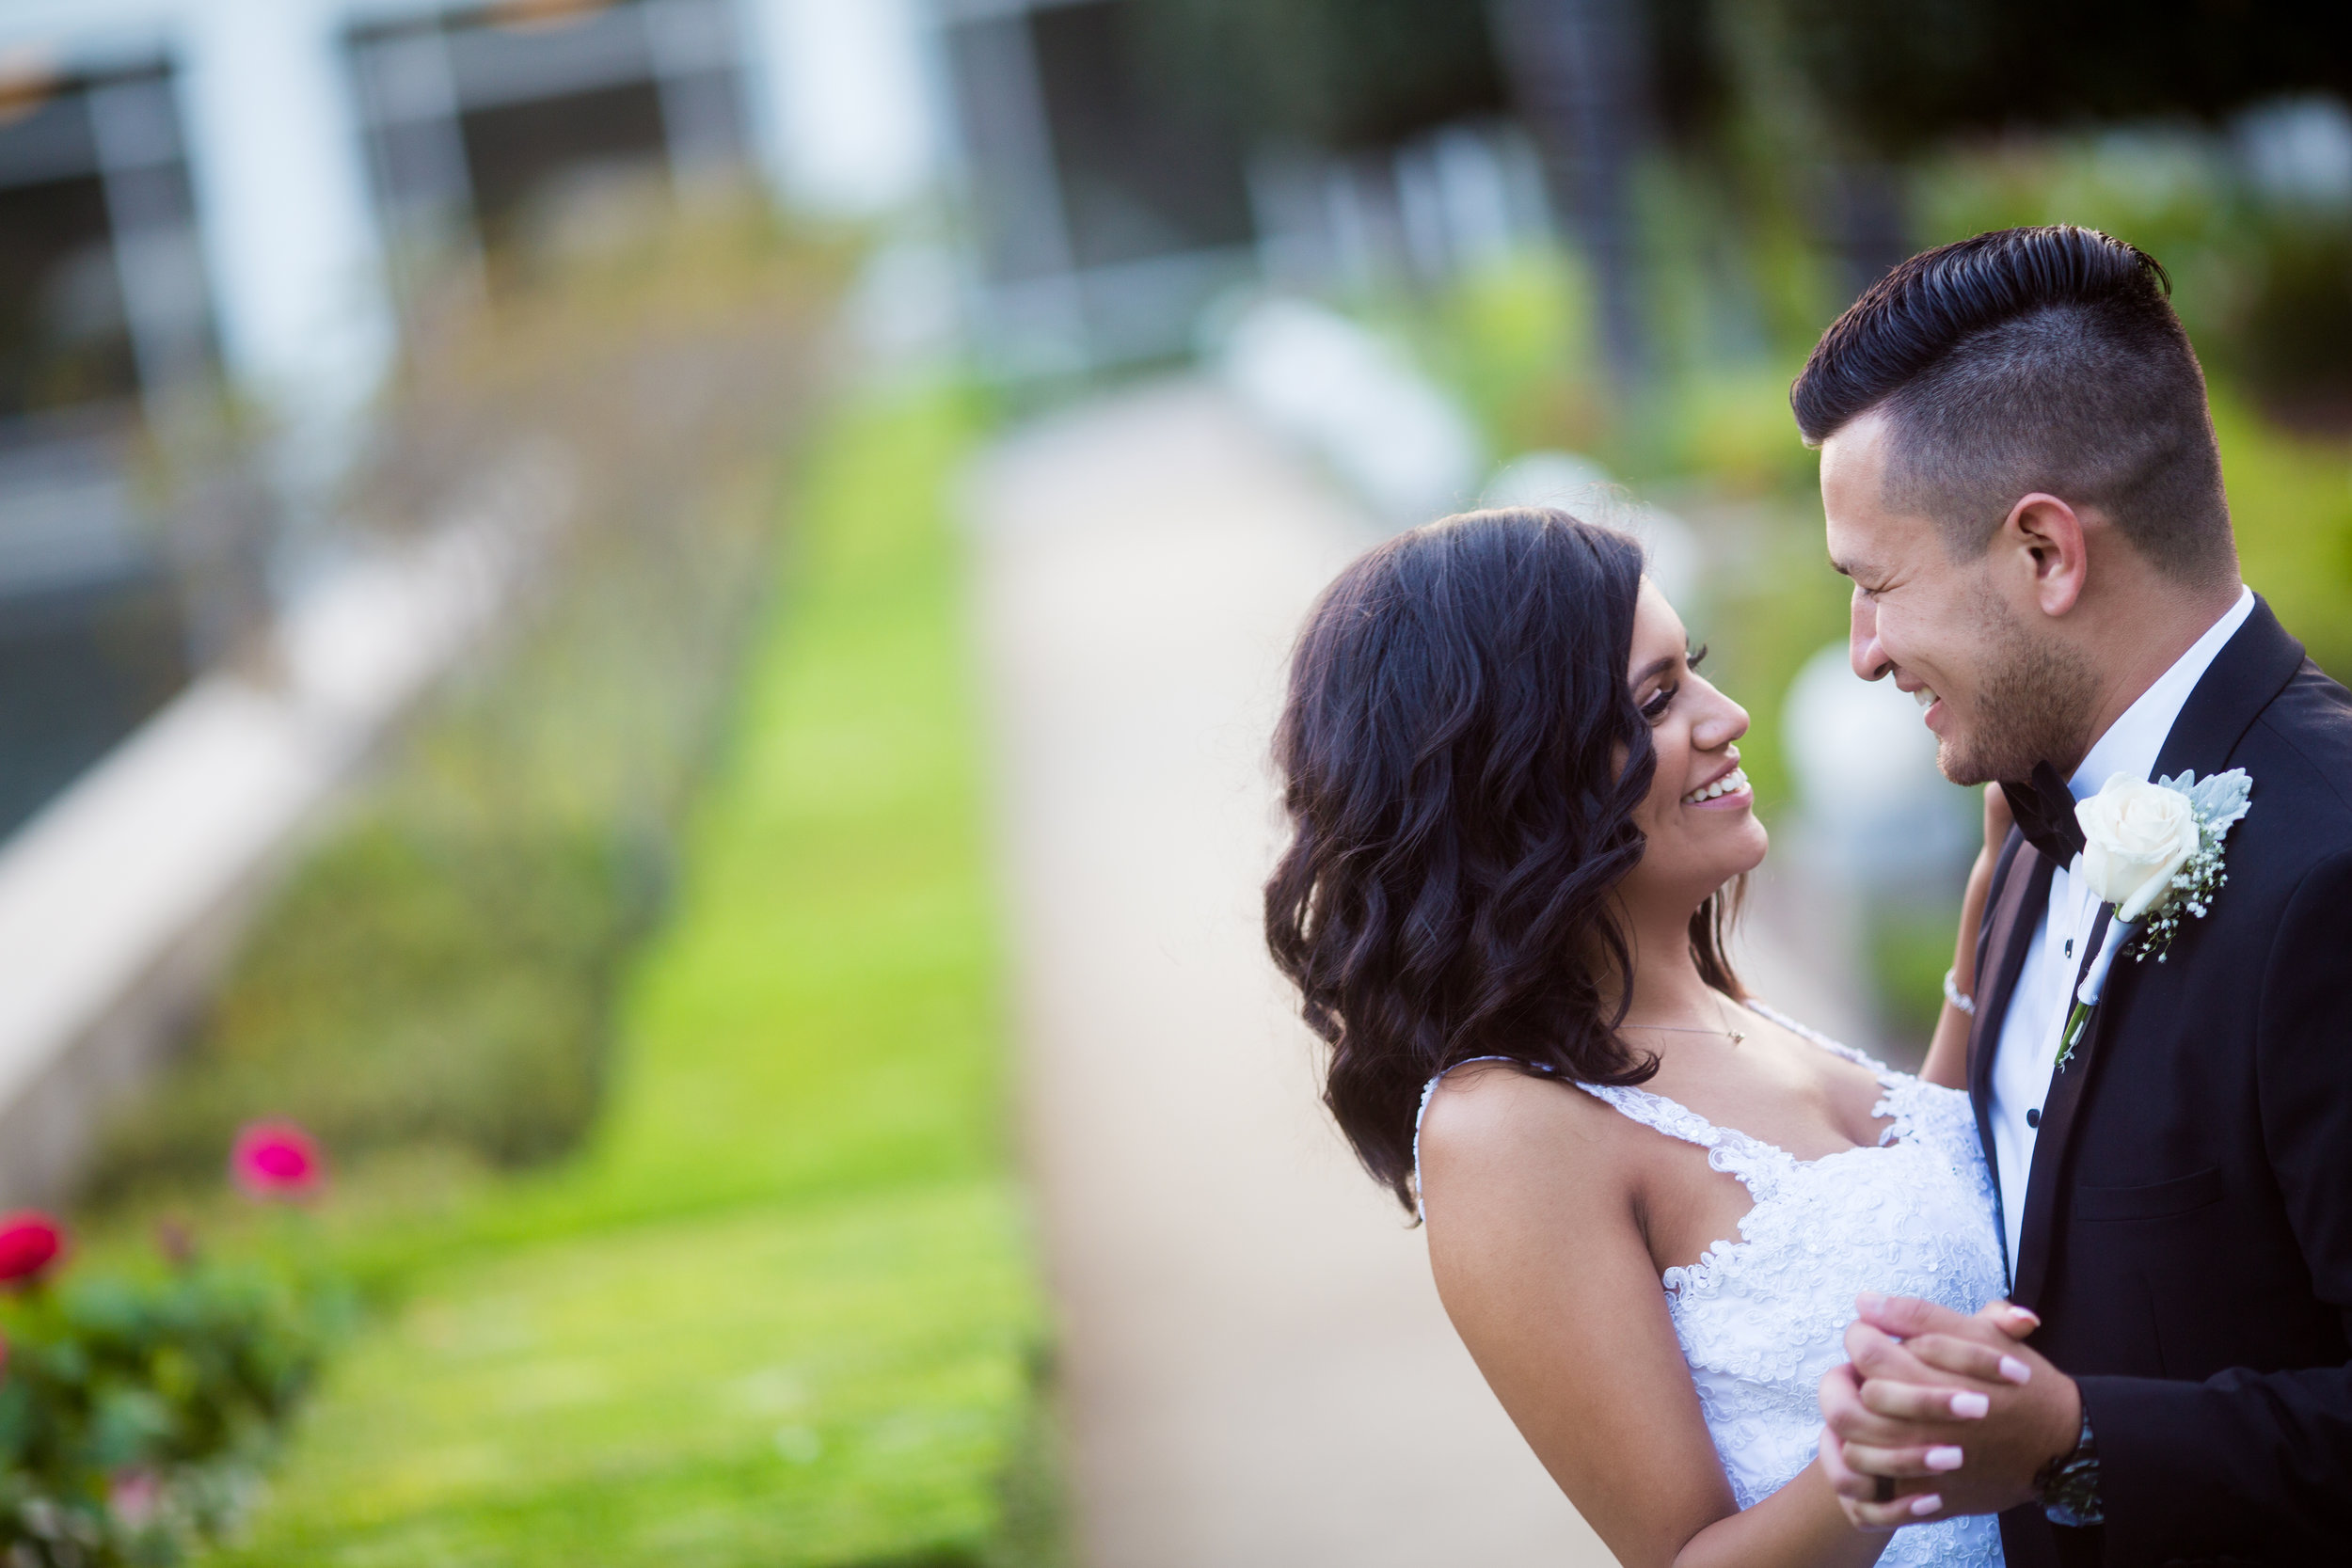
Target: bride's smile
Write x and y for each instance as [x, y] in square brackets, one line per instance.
[1699, 817]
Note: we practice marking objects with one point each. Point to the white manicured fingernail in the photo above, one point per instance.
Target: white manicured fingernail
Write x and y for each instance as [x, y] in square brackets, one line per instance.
[1946, 1458]
[1968, 1407]
[2015, 1371]
[2019, 1314]
[1922, 1507]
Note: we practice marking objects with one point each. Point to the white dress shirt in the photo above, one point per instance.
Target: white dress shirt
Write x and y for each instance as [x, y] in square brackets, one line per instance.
[2024, 1061]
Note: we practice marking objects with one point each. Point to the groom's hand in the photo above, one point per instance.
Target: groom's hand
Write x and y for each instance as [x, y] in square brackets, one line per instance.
[1953, 1410]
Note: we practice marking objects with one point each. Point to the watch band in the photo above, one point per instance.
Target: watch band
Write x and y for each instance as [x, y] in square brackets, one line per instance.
[2068, 1486]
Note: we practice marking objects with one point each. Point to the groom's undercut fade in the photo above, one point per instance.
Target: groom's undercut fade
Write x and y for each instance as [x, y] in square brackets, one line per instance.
[2029, 359]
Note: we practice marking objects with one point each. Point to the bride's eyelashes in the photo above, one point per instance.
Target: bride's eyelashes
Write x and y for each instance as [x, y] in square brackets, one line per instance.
[1654, 707]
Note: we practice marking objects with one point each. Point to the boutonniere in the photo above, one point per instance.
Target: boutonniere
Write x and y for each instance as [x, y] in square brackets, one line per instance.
[2153, 852]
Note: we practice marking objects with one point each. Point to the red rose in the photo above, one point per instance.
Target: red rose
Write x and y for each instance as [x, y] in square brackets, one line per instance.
[275, 1160]
[29, 1243]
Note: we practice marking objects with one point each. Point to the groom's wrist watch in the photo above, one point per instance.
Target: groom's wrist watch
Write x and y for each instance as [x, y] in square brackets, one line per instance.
[2068, 1486]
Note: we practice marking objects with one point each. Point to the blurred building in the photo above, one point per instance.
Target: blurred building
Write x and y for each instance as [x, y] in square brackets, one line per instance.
[1107, 206]
[218, 216]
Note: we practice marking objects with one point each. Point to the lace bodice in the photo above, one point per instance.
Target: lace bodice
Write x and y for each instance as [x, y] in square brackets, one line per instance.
[1761, 1318]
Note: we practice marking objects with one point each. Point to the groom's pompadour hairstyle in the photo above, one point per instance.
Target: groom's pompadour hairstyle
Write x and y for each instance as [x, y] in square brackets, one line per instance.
[2030, 359]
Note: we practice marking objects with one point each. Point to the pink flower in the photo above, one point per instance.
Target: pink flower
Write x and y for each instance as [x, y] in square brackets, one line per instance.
[277, 1160]
[29, 1243]
[134, 1495]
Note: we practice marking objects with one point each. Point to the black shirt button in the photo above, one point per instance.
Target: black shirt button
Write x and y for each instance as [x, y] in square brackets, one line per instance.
[2033, 1117]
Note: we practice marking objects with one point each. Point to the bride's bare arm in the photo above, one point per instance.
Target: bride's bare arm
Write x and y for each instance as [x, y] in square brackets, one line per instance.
[1948, 1053]
[1535, 1205]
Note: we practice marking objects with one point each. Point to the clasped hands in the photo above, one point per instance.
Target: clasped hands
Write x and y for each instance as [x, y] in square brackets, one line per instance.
[1957, 1412]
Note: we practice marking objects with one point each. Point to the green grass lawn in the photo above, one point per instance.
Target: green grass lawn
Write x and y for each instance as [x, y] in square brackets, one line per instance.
[780, 1311]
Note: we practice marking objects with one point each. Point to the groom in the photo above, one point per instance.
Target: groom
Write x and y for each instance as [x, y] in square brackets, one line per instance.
[2020, 477]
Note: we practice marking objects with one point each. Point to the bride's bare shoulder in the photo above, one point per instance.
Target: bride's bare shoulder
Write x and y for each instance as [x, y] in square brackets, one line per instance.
[1498, 1130]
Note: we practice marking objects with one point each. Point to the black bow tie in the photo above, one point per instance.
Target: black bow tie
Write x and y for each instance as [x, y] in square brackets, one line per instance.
[2044, 809]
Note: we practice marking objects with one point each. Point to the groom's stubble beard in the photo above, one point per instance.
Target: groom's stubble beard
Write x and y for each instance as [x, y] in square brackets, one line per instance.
[2034, 701]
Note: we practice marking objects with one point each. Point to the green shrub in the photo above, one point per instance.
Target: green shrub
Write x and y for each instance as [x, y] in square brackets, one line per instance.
[136, 1411]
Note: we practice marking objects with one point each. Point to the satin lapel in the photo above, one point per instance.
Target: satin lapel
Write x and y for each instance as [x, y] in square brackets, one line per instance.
[2021, 890]
[2249, 671]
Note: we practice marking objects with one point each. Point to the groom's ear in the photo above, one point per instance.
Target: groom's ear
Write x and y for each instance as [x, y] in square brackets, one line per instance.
[2042, 540]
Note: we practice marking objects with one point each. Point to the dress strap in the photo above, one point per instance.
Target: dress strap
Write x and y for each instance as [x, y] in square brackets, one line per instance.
[1879, 1070]
[1655, 1111]
[1758, 1166]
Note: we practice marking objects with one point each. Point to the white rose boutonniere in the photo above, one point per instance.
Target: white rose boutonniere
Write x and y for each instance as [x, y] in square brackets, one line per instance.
[2152, 850]
[2136, 837]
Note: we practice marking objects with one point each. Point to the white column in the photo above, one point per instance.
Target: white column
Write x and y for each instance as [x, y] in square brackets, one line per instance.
[842, 102]
[282, 201]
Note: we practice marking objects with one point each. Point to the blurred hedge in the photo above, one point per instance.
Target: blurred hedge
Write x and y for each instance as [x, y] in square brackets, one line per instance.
[439, 966]
[414, 983]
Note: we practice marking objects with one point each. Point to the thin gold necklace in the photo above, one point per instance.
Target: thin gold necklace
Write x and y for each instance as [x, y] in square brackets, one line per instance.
[1735, 1036]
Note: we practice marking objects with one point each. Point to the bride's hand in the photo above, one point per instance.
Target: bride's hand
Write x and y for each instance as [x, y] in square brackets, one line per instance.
[1952, 1422]
[1868, 1505]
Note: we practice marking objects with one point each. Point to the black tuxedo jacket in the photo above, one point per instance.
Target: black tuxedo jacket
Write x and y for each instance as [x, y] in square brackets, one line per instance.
[2188, 1235]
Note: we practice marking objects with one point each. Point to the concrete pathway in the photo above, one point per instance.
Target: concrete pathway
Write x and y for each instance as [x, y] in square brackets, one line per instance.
[1258, 1372]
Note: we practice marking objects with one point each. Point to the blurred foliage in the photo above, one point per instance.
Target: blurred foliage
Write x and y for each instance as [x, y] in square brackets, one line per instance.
[1331, 73]
[137, 1409]
[1513, 340]
[780, 1309]
[440, 967]
[1910, 947]
[2296, 337]
[1906, 74]
[1355, 74]
[2290, 505]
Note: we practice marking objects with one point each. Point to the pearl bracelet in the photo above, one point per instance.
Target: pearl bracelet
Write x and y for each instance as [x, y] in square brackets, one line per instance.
[1952, 994]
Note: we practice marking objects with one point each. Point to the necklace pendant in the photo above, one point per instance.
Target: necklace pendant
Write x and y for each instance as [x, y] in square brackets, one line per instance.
[1737, 1037]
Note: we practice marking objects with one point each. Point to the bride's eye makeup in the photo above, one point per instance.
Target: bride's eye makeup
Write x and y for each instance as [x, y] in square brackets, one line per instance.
[1654, 706]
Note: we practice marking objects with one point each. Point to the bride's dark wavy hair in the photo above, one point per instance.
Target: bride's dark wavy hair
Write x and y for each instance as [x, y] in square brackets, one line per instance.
[1461, 758]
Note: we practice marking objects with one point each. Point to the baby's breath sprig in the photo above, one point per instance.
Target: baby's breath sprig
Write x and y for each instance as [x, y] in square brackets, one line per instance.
[2218, 802]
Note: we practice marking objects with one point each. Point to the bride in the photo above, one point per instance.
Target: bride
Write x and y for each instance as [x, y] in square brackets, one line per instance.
[1520, 823]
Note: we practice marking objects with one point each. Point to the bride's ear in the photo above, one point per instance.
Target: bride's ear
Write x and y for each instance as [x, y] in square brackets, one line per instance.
[2044, 537]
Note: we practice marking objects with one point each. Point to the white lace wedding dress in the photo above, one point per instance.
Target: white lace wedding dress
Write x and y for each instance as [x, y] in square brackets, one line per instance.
[1761, 1318]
